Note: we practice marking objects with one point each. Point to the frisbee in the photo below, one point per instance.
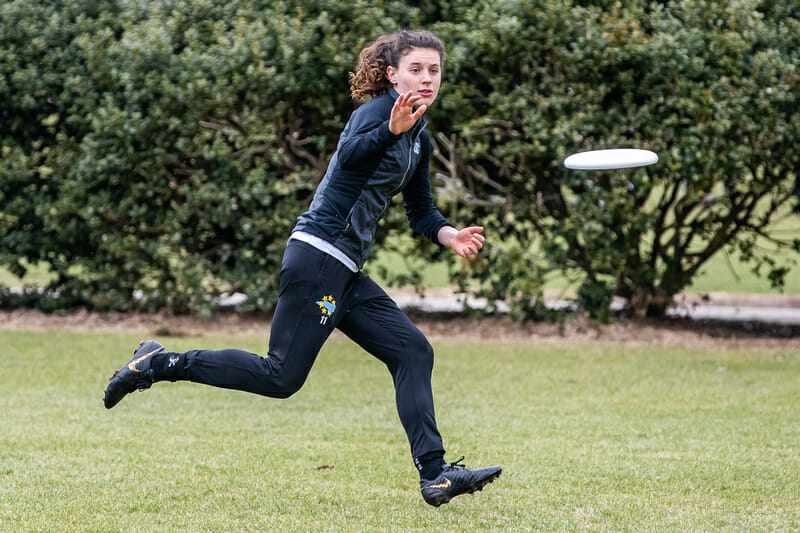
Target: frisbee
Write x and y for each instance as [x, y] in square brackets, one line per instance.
[610, 159]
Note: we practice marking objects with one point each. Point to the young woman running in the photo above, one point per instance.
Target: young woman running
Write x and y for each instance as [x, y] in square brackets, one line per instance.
[383, 150]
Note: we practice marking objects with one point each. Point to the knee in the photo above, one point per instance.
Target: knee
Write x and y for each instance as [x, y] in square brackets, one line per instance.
[282, 394]
[288, 385]
[422, 352]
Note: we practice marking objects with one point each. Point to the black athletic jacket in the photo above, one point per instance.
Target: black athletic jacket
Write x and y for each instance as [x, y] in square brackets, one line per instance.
[370, 166]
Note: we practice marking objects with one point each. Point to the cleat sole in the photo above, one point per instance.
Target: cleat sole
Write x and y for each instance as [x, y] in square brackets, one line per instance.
[480, 484]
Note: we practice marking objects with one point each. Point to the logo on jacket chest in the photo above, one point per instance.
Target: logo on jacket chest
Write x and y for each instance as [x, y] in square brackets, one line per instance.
[416, 147]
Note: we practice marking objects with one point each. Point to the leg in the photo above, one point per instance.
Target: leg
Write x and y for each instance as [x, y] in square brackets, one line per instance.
[302, 322]
[295, 341]
[375, 322]
[383, 330]
[300, 327]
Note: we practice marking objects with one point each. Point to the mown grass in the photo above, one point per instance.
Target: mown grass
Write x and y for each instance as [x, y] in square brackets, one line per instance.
[598, 437]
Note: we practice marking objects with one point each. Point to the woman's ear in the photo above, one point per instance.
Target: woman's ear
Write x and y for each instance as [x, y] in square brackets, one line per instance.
[391, 74]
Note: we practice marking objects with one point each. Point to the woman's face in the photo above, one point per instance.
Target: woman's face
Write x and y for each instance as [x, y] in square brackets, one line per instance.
[419, 71]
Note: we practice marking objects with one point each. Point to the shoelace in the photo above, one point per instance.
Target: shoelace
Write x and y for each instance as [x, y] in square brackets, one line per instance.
[457, 463]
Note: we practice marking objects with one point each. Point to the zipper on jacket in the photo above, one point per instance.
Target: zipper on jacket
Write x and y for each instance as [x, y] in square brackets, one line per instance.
[411, 151]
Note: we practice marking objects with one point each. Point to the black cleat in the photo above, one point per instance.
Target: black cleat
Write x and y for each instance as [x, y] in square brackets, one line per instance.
[137, 374]
[457, 479]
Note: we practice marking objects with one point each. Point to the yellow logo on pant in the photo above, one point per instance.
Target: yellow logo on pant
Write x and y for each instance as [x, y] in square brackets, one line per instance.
[327, 306]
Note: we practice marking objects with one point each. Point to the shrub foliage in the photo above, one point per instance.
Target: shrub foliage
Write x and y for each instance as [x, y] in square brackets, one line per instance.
[157, 153]
[712, 87]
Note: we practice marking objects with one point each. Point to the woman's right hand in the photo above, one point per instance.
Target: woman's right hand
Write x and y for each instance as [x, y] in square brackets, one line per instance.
[403, 116]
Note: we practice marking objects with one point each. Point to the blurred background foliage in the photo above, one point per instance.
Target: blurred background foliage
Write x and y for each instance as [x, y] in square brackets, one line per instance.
[157, 153]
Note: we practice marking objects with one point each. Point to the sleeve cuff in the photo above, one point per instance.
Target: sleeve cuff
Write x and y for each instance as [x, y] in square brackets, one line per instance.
[387, 135]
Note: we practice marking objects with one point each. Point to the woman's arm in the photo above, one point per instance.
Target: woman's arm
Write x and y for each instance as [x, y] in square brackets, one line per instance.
[426, 219]
[372, 132]
[369, 140]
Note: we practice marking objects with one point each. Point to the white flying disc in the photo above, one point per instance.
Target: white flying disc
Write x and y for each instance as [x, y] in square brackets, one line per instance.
[610, 159]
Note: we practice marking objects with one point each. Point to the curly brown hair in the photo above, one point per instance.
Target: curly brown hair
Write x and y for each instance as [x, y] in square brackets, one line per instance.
[370, 78]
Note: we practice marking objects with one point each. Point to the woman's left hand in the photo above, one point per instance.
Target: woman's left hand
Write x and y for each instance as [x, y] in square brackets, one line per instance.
[465, 242]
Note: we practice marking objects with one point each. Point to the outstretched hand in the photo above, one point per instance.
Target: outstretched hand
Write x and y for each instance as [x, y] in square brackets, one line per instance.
[467, 242]
[403, 116]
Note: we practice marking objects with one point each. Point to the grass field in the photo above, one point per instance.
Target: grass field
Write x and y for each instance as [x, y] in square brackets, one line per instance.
[600, 437]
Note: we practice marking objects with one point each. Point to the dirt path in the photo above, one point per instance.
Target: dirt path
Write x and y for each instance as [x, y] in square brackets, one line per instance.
[573, 330]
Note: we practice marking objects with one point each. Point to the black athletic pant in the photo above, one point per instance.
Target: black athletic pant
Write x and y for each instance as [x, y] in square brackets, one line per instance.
[318, 294]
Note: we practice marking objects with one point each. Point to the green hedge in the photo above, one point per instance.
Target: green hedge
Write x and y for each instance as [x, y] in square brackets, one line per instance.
[712, 87]
[168, 147]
